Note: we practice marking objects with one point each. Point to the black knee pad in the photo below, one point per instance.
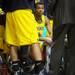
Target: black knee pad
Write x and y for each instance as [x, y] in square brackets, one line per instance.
[39, 65]
[27, 64]
[15, 66]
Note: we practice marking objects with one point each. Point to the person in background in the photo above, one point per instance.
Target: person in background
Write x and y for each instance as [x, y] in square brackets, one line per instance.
[42, 22]
[43, 26]
[64, 24]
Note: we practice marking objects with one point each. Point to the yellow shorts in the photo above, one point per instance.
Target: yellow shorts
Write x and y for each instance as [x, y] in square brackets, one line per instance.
[20, 28]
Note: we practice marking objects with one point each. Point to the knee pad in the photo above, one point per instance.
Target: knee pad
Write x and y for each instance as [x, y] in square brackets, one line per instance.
[39, 65]
[27, 64]
[15, 66]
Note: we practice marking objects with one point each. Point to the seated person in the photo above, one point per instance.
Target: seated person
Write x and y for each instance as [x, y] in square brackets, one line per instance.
[43, 23]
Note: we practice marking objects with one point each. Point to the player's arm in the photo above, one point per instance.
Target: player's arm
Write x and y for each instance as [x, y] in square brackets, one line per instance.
[47, 23]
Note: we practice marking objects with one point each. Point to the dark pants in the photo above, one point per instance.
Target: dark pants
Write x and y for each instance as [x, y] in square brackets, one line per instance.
[58, 49]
